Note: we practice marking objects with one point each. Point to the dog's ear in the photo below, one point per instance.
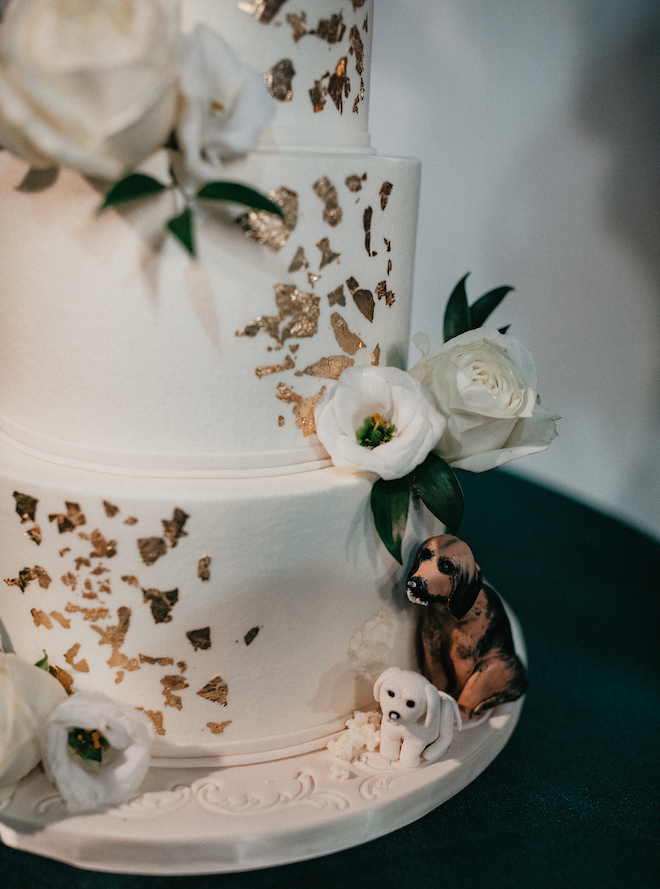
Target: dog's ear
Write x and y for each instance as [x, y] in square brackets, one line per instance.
[466, 588]
[384, 676]
[433, 705]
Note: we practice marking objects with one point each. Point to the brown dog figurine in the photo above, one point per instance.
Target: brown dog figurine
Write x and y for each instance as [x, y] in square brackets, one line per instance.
[464, 635]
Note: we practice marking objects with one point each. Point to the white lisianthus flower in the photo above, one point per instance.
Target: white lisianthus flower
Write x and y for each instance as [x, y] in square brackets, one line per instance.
[485, 383]
[378, 419]
[225, 104]
[28, 695]
[88, 85]
[123, 736]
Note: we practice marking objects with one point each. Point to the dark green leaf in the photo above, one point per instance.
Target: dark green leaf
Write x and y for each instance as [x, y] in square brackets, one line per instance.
[131, 188]
[182, 228]
[504, 329]
[435, 482]
[89, 744]
[487, 304]
[389, 506]
[43, 663]
[457, 314]
[235, 193]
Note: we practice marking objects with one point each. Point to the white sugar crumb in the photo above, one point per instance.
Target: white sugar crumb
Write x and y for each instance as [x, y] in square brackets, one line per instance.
[372, 643]
[362, 735]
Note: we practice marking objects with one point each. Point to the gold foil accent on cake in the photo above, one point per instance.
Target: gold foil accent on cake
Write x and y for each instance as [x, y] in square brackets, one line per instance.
[100, 569]
[119, 677]
[161, 603]
[312, 278]
[70, 657]
[65, 679]
[215, 690]
[26, 506]
[200, 639]
[160, 661]
[280, 420]
[131, 580]
[388, 249]
[354, 182]
[383, 293]
[102, 548]
[34, 533]
[366, 224]
[80, 561]
[317, 94]
[115, 635]
[217, 728]
[330, 368]
[389, 266]
[301, 307]
[69, 521]
[348, 341]
[173, 528]
[278, 80]
[251, 635]
[299, 261]
[99, 613]
[336, 297]
[263, 11]
[131, 520]
[63, 552]
[151, 549]
[363, 299]
[328, 194]
[375, 356]
[110, 509]
[270, 230]
[265, 370]
[339, 85]
[62, 621]
[331, 30]
[385, 192]
[356, 48]
[327, 255]
[171, 684]
[156, 716]
[298, 24]
[303, 407]
[27, 575]
[41, 619]
[204, 568]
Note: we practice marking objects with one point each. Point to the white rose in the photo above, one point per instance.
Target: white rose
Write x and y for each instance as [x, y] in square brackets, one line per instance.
[28, 695]
[86, 785]
[225, 104]
[88, 84]
[393, 396]
[485, 383]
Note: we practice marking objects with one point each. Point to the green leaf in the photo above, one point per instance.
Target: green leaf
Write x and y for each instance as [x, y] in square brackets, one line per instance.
[504, 329]
[181, 227]
[88, 744]
[486, 304]
[43, 663]
[457, 314]
[437, 485]
[131, 188]
[389, 506]
[235, 193]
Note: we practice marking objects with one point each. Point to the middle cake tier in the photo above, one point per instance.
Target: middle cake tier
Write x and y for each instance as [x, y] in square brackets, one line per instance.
[122, 351]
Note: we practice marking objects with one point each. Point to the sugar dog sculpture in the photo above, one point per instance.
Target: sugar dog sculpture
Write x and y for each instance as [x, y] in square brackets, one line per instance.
[418, 720]
[464, 637]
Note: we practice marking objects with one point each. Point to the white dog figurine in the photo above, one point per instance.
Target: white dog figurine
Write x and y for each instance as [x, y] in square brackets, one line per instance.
[418, 720]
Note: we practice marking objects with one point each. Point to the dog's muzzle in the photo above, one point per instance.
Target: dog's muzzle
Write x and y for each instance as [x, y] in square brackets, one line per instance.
[417, 591]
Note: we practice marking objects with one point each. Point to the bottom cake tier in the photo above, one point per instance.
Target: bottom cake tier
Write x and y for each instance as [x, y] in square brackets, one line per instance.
[246, 617]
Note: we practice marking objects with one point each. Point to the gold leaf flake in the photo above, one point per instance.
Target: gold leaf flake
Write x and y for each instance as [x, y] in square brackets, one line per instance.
[303, 407]
[131, 580]
[99, 613]
[265, 369]
[115, 635]
[366, 224]
[102, 548]
[110, 509]
[63, 552]
[331, 30]
[317, 94]
[80, 561]
[375, 356]
[69, 579]
[299, 261]
[339, 85]
[357, 48]
[182, 666]
[151, 549]
[389, 266]
[156, 716]
[301, 307]
[327, 255]
[388, 246]
[132, 664]
[217, 728]
[41, 619]
[63, 621]
[70, 657]
[383, 293]
[204, 568]
[100, 570]
[215, 690]
[131, 520]
[385, 192]
[354, 183]
[280, 420]
[348, 341]
[117, 659]
[26, 506]
[119, 677]
[34, 533]
[250, 635]
[161, 661]
[363, 299]
[326, 191]
[72, 519]
[173, 528]
[336, 297]
[171, 684]
[65, 679]
[27, 575]
[312, 278]
[200, 638]
[278, 80]
[298, 24]
[270, 230]
[263, 11]
[161, 603]
[330, 368]
[293, 347]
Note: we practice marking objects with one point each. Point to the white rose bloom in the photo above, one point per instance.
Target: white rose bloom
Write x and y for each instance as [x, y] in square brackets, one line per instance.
[485, 383]
[225, 104]
[88, 85]
[86, 785]
[28, 695]
[393, 396]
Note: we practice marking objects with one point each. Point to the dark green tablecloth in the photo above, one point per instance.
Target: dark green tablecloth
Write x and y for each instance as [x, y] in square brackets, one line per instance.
[572, 801]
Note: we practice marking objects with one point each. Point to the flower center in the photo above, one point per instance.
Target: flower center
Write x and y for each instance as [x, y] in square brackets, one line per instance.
[88, 744]
[375, 430]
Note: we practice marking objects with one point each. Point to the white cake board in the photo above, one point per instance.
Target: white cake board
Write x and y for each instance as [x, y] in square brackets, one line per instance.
[211, 820]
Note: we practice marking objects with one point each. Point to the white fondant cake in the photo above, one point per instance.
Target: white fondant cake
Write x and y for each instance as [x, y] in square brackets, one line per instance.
[172, 532]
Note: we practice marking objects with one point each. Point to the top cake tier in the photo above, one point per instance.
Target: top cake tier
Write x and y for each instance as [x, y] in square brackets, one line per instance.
[316, 58]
